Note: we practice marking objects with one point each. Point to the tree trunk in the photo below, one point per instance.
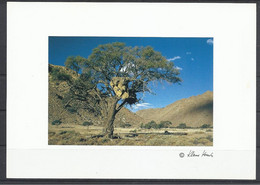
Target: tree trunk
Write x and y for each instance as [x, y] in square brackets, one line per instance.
[111, 114]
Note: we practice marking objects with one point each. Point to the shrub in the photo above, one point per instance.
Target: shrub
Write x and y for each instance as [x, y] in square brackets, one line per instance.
[182, 125]
[71, 110]
[205, 126]
[59, 75]
[164, 124]
[196, 141]
[63, 132]
[210, 138]
[125, 125]
[151, 124]
[56, 122]
[87, 123]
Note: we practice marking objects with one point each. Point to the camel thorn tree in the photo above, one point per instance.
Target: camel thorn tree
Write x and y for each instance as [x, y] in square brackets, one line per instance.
[113, 75]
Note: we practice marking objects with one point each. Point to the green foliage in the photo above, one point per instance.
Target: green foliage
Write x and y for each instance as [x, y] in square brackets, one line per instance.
[59, 75]
[56, 122]
[182, 125]
[165, 124]
[125, 125]
[153, 124]
[205, 126]
[87, 123]
[72, 110]
[140, 65]
[74, 63]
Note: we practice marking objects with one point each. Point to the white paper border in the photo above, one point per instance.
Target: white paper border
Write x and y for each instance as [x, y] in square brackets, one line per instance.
[233, 27]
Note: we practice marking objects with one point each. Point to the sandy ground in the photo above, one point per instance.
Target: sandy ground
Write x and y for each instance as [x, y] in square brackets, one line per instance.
[91, 135]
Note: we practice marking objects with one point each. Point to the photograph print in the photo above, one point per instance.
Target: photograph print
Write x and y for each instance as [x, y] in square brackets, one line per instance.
[142, 91]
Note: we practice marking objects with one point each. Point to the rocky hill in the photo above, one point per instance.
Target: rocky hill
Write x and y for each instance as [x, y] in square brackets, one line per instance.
[57, 111]
[194, 111]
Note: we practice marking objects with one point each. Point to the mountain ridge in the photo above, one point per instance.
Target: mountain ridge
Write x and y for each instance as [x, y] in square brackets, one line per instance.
[193, 111]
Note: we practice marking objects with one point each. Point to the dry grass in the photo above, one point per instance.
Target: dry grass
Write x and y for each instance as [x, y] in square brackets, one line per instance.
[83, 135]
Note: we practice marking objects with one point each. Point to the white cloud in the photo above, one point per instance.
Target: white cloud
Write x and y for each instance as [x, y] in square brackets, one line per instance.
[174, 58]
[140, 106]
[192, 59]
[188, 53]
[143, 105]
[179, 68]
[210, 41]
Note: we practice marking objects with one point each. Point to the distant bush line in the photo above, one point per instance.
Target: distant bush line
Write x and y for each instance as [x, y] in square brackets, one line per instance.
[168, 124]
[153, 124]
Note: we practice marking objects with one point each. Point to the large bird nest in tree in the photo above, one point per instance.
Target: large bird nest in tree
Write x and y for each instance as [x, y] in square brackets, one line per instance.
[120, 87]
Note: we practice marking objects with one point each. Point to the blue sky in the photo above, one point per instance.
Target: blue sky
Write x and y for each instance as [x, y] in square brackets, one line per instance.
[194, 57]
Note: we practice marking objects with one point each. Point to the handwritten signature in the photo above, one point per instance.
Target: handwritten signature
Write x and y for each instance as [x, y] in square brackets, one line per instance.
[192, 153]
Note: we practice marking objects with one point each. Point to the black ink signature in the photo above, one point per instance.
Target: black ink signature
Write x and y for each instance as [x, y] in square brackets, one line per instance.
[192, 153]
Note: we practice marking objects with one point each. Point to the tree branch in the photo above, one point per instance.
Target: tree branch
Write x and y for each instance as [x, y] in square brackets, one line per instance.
[120, 106]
